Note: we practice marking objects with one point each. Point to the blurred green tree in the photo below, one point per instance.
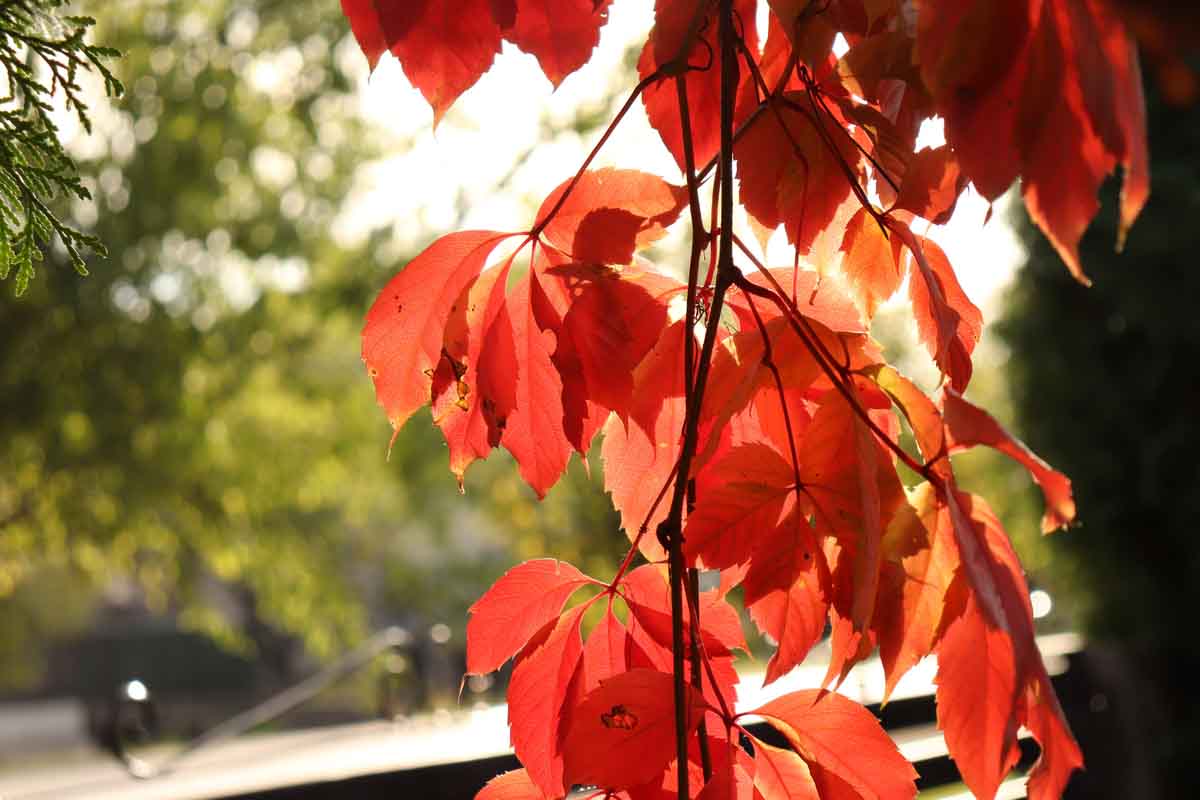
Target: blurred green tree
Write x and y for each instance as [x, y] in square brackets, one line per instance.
[194, 414]
[1107, 385]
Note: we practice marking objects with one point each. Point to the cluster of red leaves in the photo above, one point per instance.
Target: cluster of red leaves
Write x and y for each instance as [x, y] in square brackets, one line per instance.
[538, 340]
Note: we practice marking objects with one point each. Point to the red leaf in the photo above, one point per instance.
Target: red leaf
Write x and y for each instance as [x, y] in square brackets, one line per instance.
[605, 653]
[458, 402]
[1042, 714]
[637, 466]
[538, 713]
[948, 323]
[610, 213]
[1051, 90]
[738, 497]
[561, 34]
[786, 591]
[514, 785]
[368, 30]
[781, 774]
[674, 21]
[444, 46]
[614, 319]
[403, 334]
[839, 735]
[517, 606]
[788, 174]
[623, 733]
[525, 389]
[968, 425]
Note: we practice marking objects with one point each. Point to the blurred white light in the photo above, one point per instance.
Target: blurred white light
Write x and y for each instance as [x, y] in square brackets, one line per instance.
[440, 633]
[136, 691]
[1041, 602]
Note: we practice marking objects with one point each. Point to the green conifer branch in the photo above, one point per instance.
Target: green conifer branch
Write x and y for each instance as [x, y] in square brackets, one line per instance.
[42, 54]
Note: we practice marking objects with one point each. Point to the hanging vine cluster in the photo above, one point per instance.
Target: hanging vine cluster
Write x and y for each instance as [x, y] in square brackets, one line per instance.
[750, 424]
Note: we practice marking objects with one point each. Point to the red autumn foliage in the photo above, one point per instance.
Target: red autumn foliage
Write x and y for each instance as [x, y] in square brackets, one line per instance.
[765, 443]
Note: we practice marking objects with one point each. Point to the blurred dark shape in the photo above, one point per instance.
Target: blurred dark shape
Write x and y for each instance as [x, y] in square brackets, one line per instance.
[1107, 384]
[1168, 34]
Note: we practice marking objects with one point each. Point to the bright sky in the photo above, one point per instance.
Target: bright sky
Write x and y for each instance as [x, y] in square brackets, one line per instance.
[432, 178]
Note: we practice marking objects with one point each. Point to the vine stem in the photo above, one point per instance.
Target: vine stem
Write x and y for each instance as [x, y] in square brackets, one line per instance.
[670, 531]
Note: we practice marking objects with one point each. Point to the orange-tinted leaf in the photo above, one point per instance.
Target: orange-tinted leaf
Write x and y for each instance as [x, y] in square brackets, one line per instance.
[852, 484]
[561, 34]
[1043, 716]
[676, 23]
[781, 774]
[525, 389]
[786, 591]
[516, 607]
[948, 323]
[977, 692]
[514, 785]
[872, 263]
[837, 734]
[822, 301]
[403, 334]
[968, 425]
[458, 402]
[739, 497]
[923, 416]
[538, 713]
[623, 733]
[610, 213]
[920, 560]
[788, 174]
[990, 675]
[931, 186]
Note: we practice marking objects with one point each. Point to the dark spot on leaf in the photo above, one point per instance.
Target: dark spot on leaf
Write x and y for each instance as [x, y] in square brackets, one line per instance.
[619, 717]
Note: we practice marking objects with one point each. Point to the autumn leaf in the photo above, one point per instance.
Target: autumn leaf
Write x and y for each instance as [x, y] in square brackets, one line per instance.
[789, 175]
[968, 425]
[522, 601]
[948, 323]
[514, 785]
[609, 214]
[561, 34]
[544, 675]
[403, 334]
[623, 733]
[838, 735]
[781, 774]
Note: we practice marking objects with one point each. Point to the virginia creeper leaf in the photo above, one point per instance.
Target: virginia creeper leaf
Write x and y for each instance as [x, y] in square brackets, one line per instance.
[514, 785]
[623, 733]
[516, 607]
[402, 337]
[538, 712]
[561, 34]
[839, 735]
[968, 425]
[610, 213]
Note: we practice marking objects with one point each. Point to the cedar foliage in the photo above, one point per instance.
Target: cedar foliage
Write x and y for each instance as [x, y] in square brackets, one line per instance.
[43, 54]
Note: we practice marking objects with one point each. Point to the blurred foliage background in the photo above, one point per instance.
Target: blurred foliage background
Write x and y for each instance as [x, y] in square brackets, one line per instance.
[189, 429]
